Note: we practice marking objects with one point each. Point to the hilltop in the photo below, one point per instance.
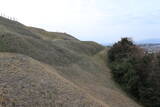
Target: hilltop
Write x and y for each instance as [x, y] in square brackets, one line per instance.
[52, 69]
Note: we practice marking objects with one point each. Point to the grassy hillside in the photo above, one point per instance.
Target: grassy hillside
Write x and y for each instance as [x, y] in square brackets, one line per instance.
[51, 35]
[29, 83]
[80, 63]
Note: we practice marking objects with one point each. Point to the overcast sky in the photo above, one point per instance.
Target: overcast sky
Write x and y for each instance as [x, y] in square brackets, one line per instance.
[103, 21]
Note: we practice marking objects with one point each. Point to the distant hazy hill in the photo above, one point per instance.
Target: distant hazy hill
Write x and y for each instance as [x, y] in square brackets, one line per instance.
[151, 47]
[52, 69]
[149, 41]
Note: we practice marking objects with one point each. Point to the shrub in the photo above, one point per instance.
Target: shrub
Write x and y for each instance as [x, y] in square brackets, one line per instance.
[137, 71]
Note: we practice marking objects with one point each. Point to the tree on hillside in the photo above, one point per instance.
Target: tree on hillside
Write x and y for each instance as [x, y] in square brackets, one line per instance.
[123, 56]
[137, 71]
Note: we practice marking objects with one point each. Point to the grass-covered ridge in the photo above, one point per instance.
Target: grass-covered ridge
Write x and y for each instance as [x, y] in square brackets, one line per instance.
[81, 63]
[38, 85]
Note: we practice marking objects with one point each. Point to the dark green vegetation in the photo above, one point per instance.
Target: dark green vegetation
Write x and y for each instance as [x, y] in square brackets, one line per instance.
[137, 71]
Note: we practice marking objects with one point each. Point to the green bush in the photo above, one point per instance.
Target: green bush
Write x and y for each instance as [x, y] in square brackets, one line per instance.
[137, 71]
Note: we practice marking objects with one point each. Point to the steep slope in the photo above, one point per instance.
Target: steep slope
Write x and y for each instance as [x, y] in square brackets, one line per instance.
[15, 27]
[81, 63]
[25, 82]
[51, 35]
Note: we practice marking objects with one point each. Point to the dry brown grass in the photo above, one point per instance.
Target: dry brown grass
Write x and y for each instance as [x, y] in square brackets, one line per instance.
[63, 72]
[51, 35]
[29, 83]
